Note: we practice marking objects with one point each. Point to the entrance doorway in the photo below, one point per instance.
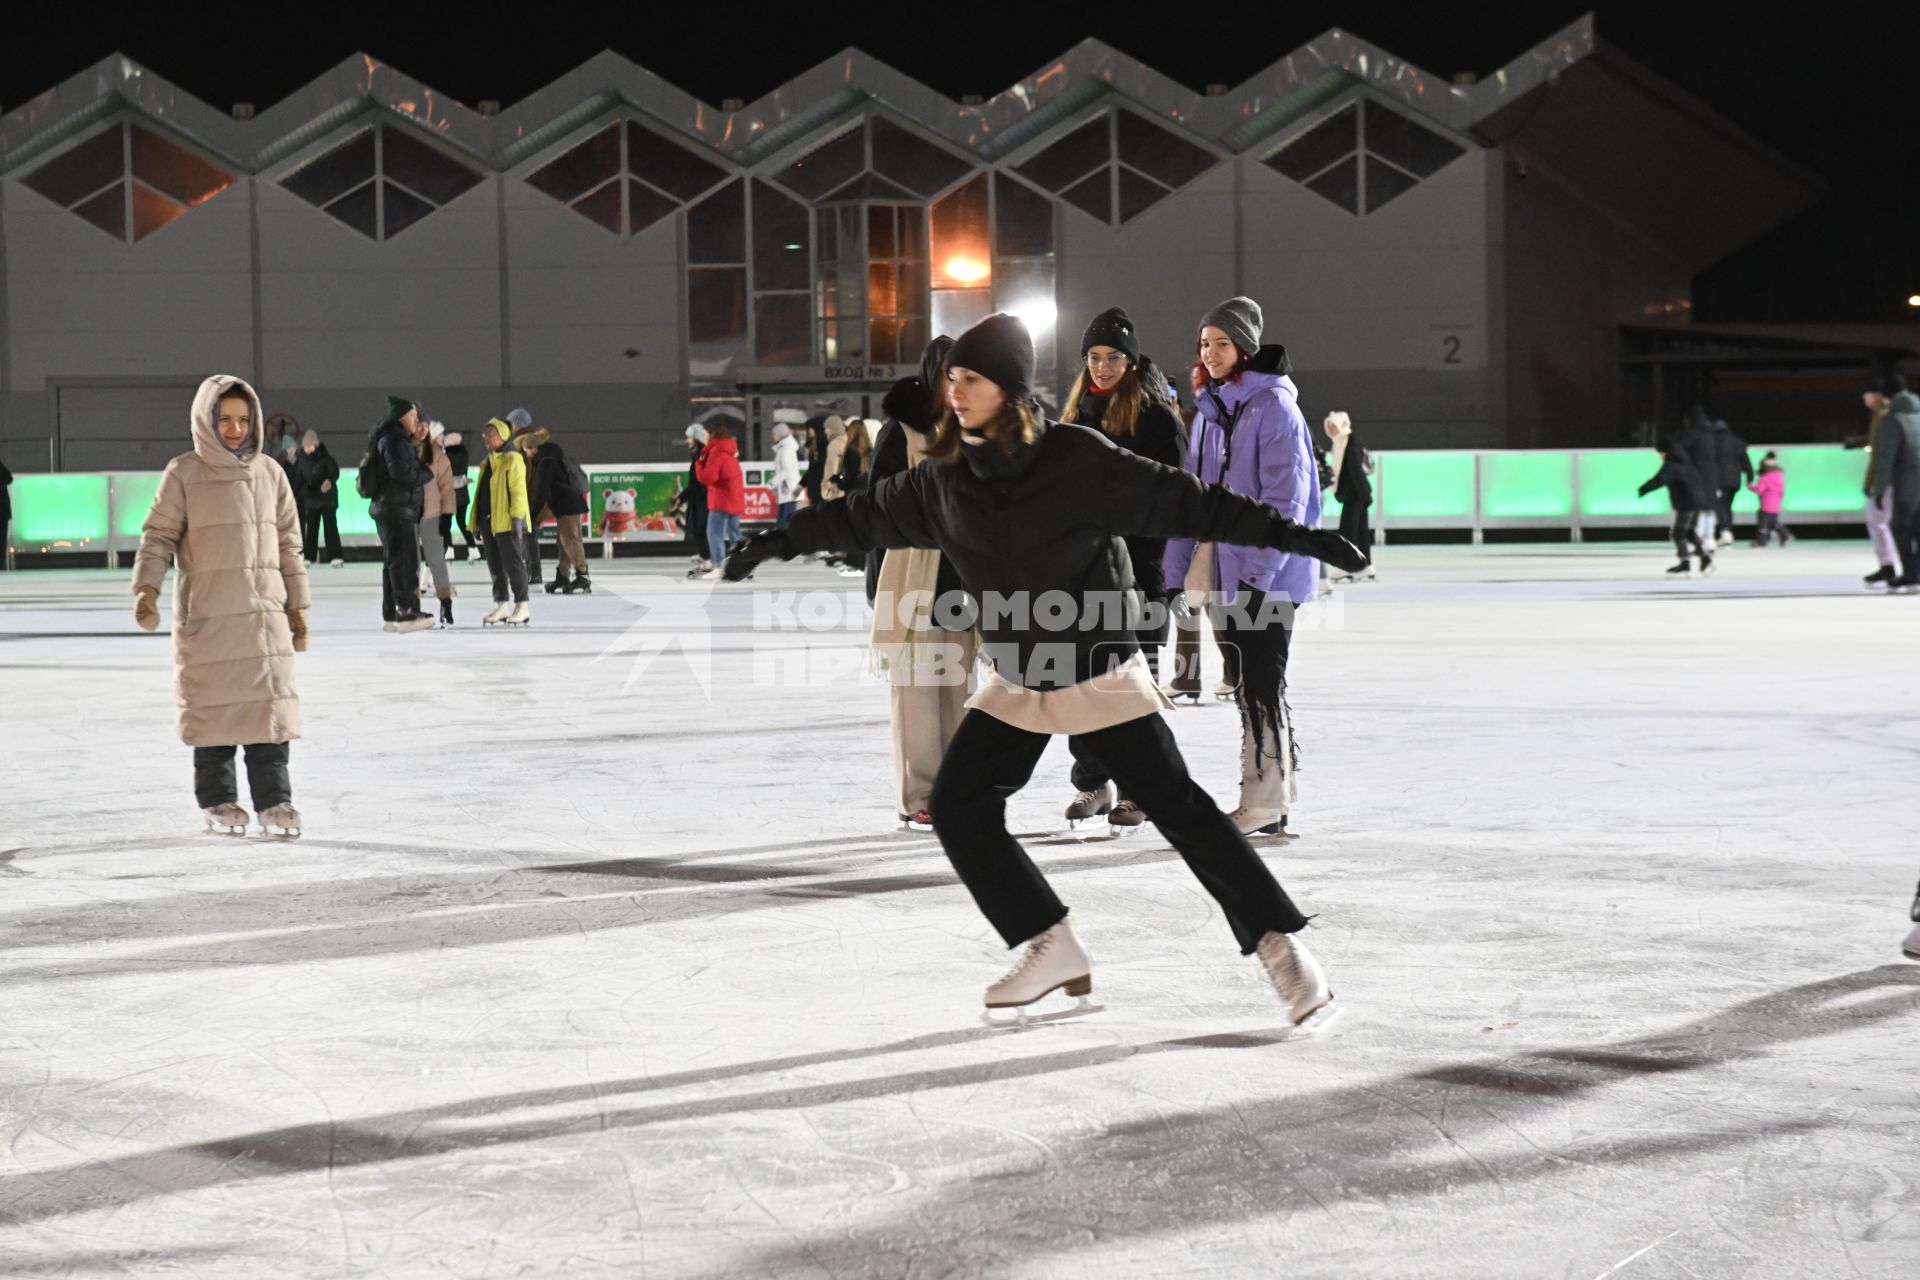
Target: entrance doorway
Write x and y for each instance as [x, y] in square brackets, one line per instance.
[849, 400]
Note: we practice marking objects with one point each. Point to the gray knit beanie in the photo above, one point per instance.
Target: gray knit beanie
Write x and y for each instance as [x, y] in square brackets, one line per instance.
[1239, 319]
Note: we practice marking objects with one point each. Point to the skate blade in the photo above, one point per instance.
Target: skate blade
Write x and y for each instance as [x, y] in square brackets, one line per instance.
[294, 834]
[1021, 1017]
[1317, 1021]
[229, 832]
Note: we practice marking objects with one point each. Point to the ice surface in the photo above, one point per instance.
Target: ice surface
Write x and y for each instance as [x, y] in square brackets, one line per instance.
[582, 971]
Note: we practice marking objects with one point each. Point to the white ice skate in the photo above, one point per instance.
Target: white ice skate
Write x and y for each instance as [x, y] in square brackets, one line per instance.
[499, 614]
[1299, 981]
[1260, 822]
[282, 822]
[473, 554]
[1090, 804]
[417, 622]
[1052, 961]
[339, 563]
[1911, 947]
[1174, 694]
[520, 616]
[1224, 691]
[227, 820]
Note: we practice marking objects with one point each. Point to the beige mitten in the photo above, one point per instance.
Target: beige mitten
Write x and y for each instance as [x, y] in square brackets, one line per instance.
[145, 611]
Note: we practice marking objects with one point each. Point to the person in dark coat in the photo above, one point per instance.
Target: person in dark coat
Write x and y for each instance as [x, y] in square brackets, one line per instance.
[1120, 393]
[690, 504]
[551, 492]
[6, 508]
[1733, 470]
[1348, 466]
[1692, 496]
[1032, 511]
[316, 483]
[395, 507]
[816, 475]
[1895, 480]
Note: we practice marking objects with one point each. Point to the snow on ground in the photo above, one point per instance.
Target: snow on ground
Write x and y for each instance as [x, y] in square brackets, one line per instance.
[602, 958]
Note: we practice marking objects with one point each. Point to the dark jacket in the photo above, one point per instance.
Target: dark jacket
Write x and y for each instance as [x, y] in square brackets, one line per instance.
[310, 470]
[400, 498]
[1351, 487]
[1896, 453]
[1159, 436]
[1678, 476]
[692, 501]
[1042, 517]
[6, 494]
[1733, 467]
[890, 459]
[816, 473]
[549, 488]
[1700, 453]
[457, 459]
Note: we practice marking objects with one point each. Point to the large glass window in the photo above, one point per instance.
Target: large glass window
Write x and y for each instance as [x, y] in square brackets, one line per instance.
[1327, 158]
[1116, 166]
[625, 177]
[874, 160]
[128, 181]
[782, 278]
[717, 283]
[380, 181]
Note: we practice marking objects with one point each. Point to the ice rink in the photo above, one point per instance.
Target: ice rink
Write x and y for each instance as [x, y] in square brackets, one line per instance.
[601, 956]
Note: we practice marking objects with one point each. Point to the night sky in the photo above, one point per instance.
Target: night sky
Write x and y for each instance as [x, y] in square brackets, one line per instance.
[1835, 91]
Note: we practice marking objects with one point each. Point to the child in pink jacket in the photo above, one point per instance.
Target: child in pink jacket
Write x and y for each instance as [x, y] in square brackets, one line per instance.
[1771, 485]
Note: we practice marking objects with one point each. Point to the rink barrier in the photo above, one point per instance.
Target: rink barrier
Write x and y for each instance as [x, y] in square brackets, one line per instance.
[1443, 489]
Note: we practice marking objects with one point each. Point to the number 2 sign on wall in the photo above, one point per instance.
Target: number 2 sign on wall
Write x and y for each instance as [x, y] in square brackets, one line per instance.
[1453, 347]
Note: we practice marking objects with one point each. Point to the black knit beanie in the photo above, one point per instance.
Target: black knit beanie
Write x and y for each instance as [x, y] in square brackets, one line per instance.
[1112, 328]
[1000, 349]
[1888, 384]
[397, 408]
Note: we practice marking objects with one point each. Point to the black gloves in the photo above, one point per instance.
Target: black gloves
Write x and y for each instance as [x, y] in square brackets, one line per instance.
[1297, 539]
[774, 544]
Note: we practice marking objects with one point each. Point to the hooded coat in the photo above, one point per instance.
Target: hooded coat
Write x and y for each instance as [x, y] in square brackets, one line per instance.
[786, 469]
[1266, 454]
[501, 496]
[1896, 453]
[436, 499]
[229, 527]
[549, 488]
[718, 468]
[402, 496]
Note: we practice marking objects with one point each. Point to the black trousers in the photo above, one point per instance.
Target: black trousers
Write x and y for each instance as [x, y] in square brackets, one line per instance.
[267, 777]
[312, 521]
[1770, 528]
[990, 760]
[460, 515]
[1089, 774]
[506, 560]
[1723, 510]
[1905, 528]
[1356, 526]
[1686, 533]
[400, 576]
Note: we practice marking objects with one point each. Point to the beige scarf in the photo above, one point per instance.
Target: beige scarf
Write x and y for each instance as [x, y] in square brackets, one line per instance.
[903, 603]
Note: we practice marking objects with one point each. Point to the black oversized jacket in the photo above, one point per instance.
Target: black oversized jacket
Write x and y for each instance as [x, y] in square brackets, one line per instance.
[310, 471]
[1159, 436]
[1035, 534]
[407, 477]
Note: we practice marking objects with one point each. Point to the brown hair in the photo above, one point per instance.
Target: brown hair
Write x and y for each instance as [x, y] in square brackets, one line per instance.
[1123, 413]
[859, 444]
[719, 431]
[1016, 416]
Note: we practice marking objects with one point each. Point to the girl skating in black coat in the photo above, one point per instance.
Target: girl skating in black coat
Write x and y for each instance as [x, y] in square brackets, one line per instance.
[1031, 514]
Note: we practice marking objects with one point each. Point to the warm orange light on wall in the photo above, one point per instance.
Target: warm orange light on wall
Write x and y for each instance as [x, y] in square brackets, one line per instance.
[963, 270]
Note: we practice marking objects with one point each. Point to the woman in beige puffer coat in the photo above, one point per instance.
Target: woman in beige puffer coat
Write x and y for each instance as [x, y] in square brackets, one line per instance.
[436, 507]
[224, 517]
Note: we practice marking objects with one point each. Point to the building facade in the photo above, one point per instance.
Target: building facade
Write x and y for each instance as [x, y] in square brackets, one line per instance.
[1452, 263]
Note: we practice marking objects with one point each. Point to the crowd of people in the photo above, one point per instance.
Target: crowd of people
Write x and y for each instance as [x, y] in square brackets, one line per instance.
[1130, 519]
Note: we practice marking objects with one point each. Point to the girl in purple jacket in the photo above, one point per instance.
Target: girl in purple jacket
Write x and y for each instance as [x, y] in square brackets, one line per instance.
[1250, 436]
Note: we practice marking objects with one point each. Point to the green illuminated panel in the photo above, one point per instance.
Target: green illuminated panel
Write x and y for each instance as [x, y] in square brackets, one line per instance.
[1820, 479]
[353, 508]
[1518, 486]
[1427, 486]
[50, 509]
[132, 499]
[1608, 482]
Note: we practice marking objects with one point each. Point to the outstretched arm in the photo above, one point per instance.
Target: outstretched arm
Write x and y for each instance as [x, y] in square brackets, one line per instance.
[1157, 501]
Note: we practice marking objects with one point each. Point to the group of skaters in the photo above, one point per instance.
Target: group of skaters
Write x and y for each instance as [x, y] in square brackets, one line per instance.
[415, 480]
[1705, 465]
[1060, 552]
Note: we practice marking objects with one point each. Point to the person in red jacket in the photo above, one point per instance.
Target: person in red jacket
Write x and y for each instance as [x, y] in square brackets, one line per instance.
[718, 468]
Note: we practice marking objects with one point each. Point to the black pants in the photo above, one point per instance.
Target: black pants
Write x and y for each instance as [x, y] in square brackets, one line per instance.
[1258, 631]
[1723, 511]
[460, 515]
[990, 760]
[1769, 528]
[531, 552]
[507, 562]
[267, 778]
[1089, 774]
[312, 521]
[1905, 528]
[400, 552]
[1356, 526]
[1686, 533]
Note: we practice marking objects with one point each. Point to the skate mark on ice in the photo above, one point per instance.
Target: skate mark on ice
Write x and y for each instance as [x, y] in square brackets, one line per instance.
[6, 863]
[1124, 1168]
